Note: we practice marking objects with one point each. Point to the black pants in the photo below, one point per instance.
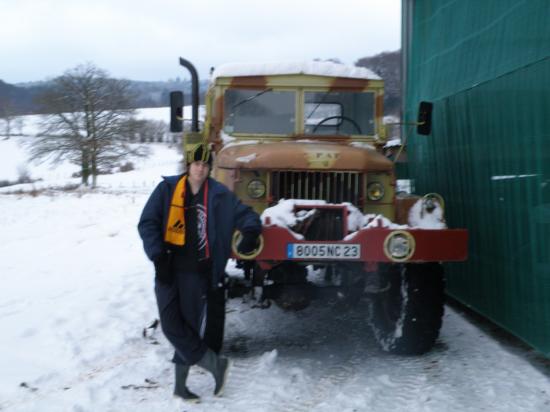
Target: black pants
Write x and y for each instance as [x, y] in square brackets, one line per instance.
[192, 315]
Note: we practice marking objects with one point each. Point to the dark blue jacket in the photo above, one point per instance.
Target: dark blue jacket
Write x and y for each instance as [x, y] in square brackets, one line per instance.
[225, 214]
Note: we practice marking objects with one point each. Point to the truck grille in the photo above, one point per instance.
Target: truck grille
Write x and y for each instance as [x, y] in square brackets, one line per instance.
[333, 187]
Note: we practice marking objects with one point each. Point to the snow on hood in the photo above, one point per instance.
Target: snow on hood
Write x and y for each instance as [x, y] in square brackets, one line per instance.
[246, 159]
[235, 142]
[296, 67]
[422, 219]
[363, 145]
[396, 141]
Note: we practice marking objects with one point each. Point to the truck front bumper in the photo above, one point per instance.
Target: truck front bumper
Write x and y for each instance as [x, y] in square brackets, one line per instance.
[368, 245]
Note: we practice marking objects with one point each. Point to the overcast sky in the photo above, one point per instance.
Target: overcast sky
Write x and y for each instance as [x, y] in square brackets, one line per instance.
[140, 40]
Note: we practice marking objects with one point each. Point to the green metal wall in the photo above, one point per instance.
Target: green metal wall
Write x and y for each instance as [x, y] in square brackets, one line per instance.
[486, 67]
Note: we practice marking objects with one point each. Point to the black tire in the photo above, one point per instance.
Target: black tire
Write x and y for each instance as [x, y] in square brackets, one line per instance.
[406, 316]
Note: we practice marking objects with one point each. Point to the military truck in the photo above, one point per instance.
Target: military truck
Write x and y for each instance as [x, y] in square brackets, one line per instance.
[303, 144]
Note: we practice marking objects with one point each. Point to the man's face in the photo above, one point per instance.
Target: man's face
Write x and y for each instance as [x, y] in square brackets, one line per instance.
[198, 172]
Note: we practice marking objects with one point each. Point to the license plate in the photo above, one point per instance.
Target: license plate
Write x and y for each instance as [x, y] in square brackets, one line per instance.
[334, 251]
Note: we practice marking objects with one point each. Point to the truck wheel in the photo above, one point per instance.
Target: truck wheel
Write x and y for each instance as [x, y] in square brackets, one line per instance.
[406, 314]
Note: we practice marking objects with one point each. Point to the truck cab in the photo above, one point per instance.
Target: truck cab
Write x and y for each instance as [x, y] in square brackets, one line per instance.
[301, 131]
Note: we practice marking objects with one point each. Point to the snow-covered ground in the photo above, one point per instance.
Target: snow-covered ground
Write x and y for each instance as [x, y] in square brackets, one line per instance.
[77, 293]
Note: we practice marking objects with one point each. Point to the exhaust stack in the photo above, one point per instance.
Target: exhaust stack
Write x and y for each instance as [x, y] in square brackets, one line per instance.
[194, 93]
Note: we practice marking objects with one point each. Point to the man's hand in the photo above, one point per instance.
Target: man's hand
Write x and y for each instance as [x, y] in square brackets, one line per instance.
[248, 243]
[163, 267]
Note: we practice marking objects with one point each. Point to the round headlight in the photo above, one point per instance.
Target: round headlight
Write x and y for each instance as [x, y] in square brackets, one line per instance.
[256, 189]
[375, 191]
[399, 246]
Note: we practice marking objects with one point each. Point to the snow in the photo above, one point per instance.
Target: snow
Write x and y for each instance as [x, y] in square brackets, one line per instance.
[246, 159]
[283, 214]
[420, 218]
[233, 143]
[393, 143]
[77, 294]
[293, 67]
[363, 145]
[507, 177]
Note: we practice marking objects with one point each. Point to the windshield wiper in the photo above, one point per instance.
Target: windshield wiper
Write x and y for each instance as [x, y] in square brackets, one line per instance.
[250, 98]
[319, 104]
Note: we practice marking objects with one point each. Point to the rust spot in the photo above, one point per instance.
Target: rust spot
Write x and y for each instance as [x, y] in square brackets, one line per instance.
[217, 123]
[349, 85]
[249, 82]
[379, 105]
[218, 113]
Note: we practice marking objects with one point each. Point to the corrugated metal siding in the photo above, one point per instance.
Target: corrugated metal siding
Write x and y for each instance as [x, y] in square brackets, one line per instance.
[486, 68]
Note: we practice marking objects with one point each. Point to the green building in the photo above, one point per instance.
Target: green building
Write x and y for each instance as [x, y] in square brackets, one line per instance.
[485, 66]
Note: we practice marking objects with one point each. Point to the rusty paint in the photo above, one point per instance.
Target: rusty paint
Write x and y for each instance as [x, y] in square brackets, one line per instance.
[217, 123]
[379, 105]
[298, 155]
[218, 113]
[349, 85]
[249, 82]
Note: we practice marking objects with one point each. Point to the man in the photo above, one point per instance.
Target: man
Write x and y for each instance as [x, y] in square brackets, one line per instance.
[186, 227]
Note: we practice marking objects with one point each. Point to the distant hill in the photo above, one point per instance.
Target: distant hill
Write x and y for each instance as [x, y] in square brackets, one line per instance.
[156, 94]
[388, 66]
[20, 98]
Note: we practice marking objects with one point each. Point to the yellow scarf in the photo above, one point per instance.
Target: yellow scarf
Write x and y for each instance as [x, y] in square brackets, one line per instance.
[175, 228]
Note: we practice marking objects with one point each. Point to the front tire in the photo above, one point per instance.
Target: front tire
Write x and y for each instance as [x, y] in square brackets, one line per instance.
[406, 314]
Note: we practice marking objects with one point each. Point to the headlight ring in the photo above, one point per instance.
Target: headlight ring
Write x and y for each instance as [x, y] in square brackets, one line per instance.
[399, 246]
[375, 191]
[256, 189]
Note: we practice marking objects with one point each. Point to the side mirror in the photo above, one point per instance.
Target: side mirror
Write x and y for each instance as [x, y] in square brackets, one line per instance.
[424, 126]
[176, 112]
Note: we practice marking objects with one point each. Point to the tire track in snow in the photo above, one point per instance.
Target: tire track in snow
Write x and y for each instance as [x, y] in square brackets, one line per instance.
[315, 365]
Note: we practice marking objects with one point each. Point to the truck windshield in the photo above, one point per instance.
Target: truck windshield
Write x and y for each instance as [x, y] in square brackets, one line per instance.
[259, 111]
[339, 113]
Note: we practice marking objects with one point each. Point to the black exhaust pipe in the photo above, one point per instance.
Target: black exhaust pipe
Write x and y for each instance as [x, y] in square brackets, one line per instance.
[194, 94]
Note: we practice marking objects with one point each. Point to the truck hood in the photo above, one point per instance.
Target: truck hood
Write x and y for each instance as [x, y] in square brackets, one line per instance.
[300, 155]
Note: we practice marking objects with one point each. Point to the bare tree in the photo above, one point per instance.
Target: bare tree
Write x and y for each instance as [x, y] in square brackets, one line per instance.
[155, 130]
[7, 113]
[87, 122]
[144, 130]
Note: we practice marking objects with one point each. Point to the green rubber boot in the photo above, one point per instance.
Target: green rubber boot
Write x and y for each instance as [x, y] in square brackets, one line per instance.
[180, 389]
[218, 367]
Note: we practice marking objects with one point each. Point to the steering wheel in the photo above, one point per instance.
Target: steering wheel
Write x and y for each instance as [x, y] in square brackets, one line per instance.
[349, 119]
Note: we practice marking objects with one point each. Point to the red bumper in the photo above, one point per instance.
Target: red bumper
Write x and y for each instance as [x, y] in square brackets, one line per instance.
[430, 245]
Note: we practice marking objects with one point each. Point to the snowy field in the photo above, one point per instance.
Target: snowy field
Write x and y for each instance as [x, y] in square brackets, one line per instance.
[77, 293]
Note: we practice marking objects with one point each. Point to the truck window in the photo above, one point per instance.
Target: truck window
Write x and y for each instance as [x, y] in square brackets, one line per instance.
[345, 113]
[315, 112]
[259, 111]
